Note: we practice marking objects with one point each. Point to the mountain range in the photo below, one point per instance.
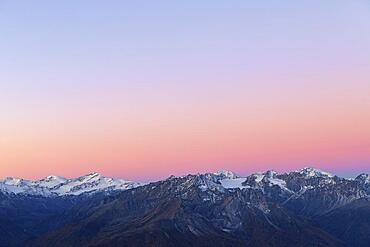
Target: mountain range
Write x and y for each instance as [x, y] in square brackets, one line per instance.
[53, 186]
[308, 207]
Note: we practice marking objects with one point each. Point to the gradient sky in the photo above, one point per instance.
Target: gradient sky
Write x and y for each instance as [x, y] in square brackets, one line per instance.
[146, 89]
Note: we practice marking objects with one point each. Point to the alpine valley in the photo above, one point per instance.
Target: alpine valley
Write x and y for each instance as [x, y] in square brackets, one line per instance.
[308, 207]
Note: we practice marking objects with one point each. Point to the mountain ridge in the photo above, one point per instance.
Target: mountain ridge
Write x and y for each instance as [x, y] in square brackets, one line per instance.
[59, 186]
[94, 182]
[211, 209]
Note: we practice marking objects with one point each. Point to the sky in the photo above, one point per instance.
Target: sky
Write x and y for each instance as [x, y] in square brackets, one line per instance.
[145, 89]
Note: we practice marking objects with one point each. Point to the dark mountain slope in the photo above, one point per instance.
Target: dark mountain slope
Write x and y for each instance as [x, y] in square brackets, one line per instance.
[351, 223]
[301, 208]
[25, 217]
[182, 212]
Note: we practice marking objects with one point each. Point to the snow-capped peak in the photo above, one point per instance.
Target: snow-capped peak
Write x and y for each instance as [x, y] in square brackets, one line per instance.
[226, 174]
[313, 172]
[364, 178]
[60, 186]
[91, 177]
[12, 181]
[270, 174]
[50, 181]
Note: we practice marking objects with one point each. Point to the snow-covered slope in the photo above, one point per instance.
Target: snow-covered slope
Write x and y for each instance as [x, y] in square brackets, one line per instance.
[313, 172]
[294, 183]
[363, 178]
[59, 186]
[226, 174]
[256, 180]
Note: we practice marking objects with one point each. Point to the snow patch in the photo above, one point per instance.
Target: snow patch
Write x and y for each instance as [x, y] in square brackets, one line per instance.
[59, 186]
[233, 183]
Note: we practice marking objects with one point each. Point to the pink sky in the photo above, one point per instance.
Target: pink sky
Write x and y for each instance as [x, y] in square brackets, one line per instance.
[143, 93]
